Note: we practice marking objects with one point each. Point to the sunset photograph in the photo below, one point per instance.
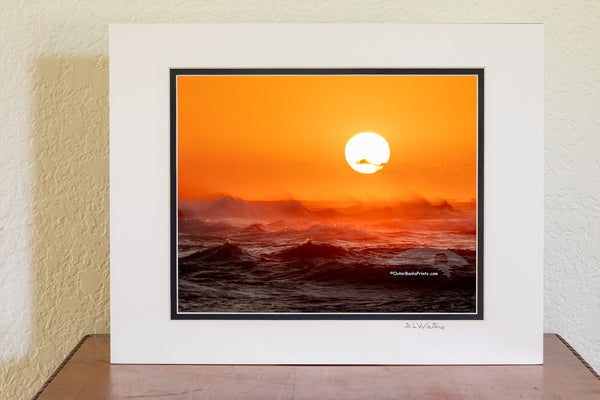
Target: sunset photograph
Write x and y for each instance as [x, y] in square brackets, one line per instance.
[342, 193]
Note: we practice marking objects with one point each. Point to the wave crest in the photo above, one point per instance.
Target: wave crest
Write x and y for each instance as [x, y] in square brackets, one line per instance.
[308, 250]
[222, 252]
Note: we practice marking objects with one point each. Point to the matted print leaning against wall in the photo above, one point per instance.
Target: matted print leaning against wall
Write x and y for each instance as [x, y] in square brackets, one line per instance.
[327, 193]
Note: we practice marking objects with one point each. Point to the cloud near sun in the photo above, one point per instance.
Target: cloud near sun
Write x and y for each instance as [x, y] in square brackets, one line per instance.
[364, 161]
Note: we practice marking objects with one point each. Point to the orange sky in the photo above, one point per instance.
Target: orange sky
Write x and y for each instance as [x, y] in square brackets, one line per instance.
[282, 137]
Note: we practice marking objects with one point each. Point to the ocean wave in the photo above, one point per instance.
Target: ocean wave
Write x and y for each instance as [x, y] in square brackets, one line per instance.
[232, 207]
[196, 226]
[331, 233]
[223, 252]
[308, 250]
[256, 228]
[428, 256]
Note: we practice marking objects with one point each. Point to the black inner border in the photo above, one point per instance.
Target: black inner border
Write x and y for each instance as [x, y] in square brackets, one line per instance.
[175, 72]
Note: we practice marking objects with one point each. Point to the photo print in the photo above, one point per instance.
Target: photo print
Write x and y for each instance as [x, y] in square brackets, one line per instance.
[327, 193]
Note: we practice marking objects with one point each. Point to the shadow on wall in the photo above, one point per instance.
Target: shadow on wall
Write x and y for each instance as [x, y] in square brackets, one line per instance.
[70, 150]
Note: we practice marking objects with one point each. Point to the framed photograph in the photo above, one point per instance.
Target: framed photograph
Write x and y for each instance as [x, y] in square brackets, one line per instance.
[326, 193]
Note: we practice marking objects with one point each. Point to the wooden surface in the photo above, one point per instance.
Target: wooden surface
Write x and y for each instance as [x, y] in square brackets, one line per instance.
[89, 375]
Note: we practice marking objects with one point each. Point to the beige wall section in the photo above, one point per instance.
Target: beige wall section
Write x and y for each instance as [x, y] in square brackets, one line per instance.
[54, 158]
[69, 244]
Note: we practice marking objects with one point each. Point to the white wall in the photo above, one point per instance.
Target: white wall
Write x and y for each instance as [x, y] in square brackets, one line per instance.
[54, 157]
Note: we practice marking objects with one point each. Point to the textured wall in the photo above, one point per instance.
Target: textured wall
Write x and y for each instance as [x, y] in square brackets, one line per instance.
[54, 158]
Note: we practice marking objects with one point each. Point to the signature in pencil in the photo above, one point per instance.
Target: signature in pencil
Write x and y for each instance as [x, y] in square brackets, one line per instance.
[424, 325]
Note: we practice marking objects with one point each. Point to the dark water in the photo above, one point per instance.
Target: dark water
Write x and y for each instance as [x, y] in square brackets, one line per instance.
[243, 266]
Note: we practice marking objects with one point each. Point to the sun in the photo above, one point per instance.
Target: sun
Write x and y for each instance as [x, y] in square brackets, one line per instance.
[367, 152]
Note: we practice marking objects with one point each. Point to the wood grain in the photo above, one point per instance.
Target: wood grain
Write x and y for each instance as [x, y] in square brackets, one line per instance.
[89, 375]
